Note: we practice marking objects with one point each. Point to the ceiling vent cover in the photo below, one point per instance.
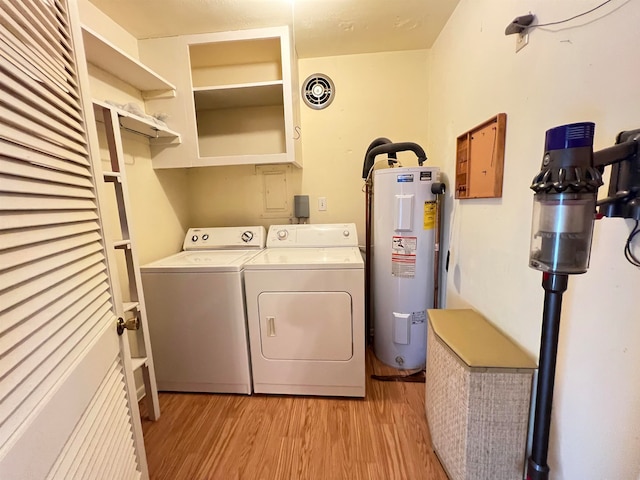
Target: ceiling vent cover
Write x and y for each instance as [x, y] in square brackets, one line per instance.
[318, 91]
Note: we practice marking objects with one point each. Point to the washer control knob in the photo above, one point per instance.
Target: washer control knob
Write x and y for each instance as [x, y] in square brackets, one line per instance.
[205, 236]
[346, 233]
[194, 238]
[247, 236]
[282, 234]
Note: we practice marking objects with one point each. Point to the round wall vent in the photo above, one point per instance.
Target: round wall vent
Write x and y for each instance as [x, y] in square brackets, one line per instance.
[318, 91]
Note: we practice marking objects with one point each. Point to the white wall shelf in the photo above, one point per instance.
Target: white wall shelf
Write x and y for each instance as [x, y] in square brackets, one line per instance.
[139, 125]
[255, 159]
[258, 94]
[106, 56]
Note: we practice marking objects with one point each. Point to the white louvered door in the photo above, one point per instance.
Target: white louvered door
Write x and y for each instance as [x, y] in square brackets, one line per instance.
[65, 406]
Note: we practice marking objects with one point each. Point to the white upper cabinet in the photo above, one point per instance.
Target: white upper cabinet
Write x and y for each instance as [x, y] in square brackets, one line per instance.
[234, 99]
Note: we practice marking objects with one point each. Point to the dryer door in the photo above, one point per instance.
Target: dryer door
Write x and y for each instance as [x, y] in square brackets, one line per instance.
[306, 325]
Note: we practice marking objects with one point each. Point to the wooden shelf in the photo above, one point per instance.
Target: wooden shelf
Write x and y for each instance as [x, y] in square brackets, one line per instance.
[139, 125]
[103, 54]
[257, 94]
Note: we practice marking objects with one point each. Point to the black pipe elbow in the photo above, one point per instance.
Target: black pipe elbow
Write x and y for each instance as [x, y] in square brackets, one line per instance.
[376, 143]
[390, 148]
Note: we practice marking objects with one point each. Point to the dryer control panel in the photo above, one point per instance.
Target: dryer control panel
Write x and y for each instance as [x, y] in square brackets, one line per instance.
[224, 237]
[313, 235]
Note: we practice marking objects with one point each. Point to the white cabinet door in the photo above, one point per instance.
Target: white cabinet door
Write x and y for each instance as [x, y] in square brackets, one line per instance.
[65, 408]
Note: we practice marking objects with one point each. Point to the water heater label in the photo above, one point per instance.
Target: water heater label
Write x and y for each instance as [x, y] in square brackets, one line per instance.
[418, 317]
[405, 177]
[429, 217]
[425, 176]
[403, 256]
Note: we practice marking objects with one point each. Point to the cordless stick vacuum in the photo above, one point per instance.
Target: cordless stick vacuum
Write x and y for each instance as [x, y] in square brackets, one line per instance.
[563, 216]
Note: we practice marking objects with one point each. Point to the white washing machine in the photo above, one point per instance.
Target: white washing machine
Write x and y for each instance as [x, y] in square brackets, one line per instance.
[196, 315]
[305, 310]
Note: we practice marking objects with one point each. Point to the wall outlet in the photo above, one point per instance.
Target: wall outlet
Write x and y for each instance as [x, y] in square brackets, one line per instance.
[522, 40]
[322, 204]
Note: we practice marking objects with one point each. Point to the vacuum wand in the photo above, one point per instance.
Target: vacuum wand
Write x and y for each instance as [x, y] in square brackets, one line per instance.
[554, 286]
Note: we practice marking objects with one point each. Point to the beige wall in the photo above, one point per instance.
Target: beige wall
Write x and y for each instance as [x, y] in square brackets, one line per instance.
[377, 95]
[381, 94]
[564, 75]
[235, 196]
[100, 23]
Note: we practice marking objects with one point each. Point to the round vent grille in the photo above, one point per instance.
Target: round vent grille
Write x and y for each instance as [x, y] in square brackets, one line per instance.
[318, 91]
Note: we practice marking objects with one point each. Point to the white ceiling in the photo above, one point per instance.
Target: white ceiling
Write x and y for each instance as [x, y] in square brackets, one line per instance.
[321, 27]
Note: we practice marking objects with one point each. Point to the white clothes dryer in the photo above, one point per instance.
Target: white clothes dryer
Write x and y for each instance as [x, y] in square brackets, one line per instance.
[305, 310]
[196, 315]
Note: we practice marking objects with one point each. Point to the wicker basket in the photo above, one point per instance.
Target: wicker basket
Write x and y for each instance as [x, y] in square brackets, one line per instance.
[478, 388]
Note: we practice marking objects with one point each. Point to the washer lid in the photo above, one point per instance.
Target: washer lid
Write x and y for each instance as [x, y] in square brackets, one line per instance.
[306, 259]
[202, 261]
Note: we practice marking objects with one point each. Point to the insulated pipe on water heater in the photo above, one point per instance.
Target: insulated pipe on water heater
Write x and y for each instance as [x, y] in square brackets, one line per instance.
[366, 172]
[438, 189]
[391, 148]
[367, 165]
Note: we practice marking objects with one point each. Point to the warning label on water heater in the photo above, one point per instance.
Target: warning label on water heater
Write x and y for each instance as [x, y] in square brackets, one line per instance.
[429, 218]
[403, 256]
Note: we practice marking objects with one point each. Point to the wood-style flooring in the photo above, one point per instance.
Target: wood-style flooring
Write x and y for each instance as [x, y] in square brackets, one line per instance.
[230, 437]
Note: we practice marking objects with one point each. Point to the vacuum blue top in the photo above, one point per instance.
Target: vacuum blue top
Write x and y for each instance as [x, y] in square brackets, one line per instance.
[570, 136]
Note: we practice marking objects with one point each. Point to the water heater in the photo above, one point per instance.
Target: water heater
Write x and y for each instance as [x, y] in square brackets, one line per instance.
[404, 223]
